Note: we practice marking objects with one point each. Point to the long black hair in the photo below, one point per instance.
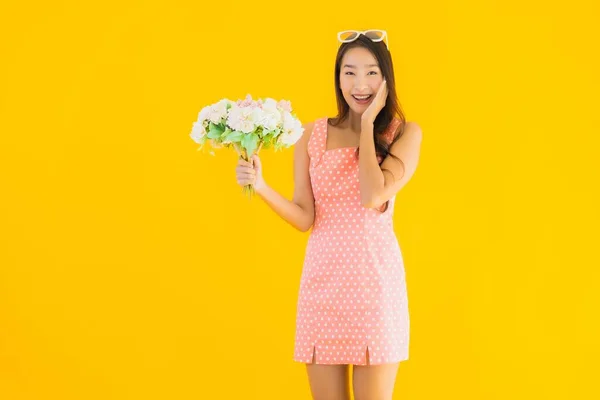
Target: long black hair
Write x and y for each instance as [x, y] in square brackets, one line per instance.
[392, 108]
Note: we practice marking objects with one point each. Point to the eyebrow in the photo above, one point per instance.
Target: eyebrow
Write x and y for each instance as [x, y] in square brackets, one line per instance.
[354, 66]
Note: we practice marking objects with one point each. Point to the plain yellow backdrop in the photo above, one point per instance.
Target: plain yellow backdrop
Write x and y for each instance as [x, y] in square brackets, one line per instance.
[133, 268]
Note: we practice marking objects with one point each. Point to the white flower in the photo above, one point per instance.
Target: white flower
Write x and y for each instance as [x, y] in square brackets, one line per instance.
[270, 122]
[258, 116]
[242, 118]
[198, 131]
[214, 113]
[289, 138]
[247, 116]
[203, 114]
[289, 122]
[292, 129]
[273, 116]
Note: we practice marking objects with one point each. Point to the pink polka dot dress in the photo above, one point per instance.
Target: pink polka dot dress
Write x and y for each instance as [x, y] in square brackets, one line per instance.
[352, 296]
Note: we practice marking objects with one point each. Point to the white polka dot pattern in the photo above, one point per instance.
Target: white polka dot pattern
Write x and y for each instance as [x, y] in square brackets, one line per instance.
[352, 293]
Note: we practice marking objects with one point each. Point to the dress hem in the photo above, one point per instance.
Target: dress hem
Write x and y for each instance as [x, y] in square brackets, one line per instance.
[302, 361]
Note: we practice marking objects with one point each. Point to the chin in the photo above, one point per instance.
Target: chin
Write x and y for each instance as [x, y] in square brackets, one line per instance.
[358, 109]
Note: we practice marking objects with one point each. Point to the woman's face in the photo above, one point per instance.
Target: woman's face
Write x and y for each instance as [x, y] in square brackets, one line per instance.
[360, 76]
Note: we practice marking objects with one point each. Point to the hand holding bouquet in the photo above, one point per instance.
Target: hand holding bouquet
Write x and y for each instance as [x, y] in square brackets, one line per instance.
[248, 126]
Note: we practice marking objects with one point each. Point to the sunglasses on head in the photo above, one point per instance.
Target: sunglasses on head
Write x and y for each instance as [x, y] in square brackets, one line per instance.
[376, 35]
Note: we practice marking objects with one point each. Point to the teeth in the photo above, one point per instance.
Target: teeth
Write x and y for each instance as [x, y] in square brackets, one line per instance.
[362, 97]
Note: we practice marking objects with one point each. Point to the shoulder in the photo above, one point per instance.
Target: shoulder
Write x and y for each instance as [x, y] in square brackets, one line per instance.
[413, 130]
[409, 141]
[308, 127]
[410, 128]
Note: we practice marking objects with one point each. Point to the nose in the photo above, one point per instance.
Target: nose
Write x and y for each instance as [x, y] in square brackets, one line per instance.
[361, 85]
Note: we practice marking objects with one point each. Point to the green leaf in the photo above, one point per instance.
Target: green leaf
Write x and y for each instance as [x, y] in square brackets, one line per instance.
[269, 140]
[225, 133]
[214, 131]
[250, 143]
[235, 136]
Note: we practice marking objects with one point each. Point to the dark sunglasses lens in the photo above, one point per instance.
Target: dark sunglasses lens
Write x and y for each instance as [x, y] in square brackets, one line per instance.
[374, 35]
[348, 35]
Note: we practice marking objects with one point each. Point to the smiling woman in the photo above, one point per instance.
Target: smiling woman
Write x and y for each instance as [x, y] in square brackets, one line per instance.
[353, 305]
[351, 70]
[362, 68]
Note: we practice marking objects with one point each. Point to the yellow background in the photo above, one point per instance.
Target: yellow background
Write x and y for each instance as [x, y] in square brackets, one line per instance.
[133, 268]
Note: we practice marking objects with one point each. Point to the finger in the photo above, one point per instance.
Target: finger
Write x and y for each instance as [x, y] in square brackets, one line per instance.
[385, 91]
[245, 170]
[245, 179]
[381, 90]
[242, 159]
[244, 163]
[245, 182]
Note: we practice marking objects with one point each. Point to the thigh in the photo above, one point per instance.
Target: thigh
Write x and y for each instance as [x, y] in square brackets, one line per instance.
[374, 382]
[329, 382]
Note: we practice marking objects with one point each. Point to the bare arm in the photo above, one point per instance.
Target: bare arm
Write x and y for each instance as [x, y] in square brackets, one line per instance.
[300, 211]
[375, 187]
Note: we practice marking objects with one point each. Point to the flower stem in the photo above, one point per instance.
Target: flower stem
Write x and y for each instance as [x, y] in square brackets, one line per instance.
[248, 191]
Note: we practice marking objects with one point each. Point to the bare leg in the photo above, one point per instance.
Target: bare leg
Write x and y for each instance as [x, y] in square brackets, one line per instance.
[374, 382]
[329, 382]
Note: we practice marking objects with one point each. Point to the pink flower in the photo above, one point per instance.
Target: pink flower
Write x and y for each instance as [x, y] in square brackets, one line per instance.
[285, 105]
[246, 102]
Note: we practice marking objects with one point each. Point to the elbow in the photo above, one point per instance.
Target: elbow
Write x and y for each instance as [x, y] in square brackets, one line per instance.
[370, 202]
[365, 199]
[306, 225]
[304, 228]
[370, 198]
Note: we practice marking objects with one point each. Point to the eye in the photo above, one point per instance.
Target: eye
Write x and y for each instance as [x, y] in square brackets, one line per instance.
[348, 72]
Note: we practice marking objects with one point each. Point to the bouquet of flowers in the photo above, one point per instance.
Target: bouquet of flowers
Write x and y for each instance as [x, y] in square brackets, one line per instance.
[248, 126]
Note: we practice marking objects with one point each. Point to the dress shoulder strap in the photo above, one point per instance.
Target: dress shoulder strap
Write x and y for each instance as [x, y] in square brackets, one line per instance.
[389, 135]
[317, 140]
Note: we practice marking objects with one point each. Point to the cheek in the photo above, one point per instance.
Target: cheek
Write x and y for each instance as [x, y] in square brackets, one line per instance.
[345, 85]
[376, 82]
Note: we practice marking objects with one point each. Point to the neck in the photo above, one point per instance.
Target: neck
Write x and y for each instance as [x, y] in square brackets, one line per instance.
[353, 122]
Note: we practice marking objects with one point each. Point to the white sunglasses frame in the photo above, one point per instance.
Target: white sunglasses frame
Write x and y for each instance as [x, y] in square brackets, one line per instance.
[383, 36]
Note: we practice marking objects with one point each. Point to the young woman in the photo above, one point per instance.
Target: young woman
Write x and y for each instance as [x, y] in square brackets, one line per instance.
[352, 305]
